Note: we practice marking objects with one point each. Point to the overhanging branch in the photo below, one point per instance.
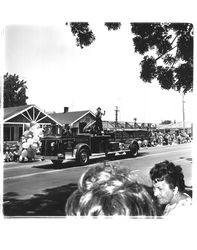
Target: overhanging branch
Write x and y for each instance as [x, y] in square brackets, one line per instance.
[165, 53]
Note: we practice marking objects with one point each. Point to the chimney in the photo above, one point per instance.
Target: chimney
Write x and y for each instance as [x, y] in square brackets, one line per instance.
[66, 109]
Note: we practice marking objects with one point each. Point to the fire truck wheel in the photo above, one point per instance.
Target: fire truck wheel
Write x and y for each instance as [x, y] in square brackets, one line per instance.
[57, 163]
[83, 156]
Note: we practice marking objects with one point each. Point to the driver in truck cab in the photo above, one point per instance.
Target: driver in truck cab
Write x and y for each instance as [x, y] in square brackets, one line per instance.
[67, 131]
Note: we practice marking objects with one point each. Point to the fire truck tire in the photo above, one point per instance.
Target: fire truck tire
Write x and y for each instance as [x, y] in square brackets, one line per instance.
[83, 156]
[57, 163]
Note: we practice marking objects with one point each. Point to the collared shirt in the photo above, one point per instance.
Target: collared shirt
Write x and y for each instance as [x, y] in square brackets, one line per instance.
[181, 208]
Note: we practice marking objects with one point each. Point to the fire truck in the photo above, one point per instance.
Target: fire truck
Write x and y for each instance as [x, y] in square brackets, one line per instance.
[82, 146]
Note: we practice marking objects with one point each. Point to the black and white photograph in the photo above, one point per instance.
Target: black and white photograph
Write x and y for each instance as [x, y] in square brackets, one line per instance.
[97, 120]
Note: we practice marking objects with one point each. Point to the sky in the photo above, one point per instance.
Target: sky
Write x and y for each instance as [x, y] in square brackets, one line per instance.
[105, 74]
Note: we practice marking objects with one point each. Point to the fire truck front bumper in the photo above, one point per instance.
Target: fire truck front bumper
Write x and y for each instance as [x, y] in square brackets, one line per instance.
[55, 157]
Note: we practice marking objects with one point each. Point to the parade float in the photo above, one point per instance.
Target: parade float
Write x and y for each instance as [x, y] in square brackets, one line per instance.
[30, 142]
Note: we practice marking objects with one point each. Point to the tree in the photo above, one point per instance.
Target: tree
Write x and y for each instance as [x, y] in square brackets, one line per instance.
[168, 53]
[166, 122]
[167, 49]
[84, 36]
[14, 91]
[113, 26]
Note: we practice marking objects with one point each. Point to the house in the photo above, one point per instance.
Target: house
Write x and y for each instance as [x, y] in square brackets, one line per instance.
[77, 120]
[15, 119]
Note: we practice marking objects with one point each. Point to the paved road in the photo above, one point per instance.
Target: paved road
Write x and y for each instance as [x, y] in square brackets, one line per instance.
[26, 182]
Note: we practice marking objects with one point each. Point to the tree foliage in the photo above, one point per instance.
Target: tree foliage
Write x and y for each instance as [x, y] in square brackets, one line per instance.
[166, 122]
[84, 35]
[82, 32]
[14, 91]
[168, 53]
[113, 25]
[167, 50]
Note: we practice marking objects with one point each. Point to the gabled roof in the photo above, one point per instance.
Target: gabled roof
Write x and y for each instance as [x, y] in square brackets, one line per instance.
[13, 111]
[178, 125]
[70, 117]
[107, 125]
[23, 114]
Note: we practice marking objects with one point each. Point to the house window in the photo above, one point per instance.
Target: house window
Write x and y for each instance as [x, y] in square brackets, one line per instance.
[20, 132]
[8, 133]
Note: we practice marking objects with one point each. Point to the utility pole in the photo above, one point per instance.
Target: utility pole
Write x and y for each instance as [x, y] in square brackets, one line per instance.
[135, 122]
[183, 109]
[116, 116]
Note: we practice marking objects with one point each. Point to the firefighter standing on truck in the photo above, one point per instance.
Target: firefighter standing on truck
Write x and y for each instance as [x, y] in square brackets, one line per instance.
[98, 124]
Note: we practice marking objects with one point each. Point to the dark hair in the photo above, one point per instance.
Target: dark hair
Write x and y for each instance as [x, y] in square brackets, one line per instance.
[169, 172]
[106, 190]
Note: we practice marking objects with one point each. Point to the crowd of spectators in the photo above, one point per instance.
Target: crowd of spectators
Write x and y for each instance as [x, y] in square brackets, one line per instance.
[159, 138]
[11, 152]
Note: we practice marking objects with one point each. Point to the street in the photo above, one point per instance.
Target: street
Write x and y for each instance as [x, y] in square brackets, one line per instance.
[39, 189]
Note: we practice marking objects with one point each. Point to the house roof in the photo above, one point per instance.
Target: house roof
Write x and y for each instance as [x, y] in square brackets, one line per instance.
[70, 117]
[11, 113]
[107, 125]
[178, 125]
